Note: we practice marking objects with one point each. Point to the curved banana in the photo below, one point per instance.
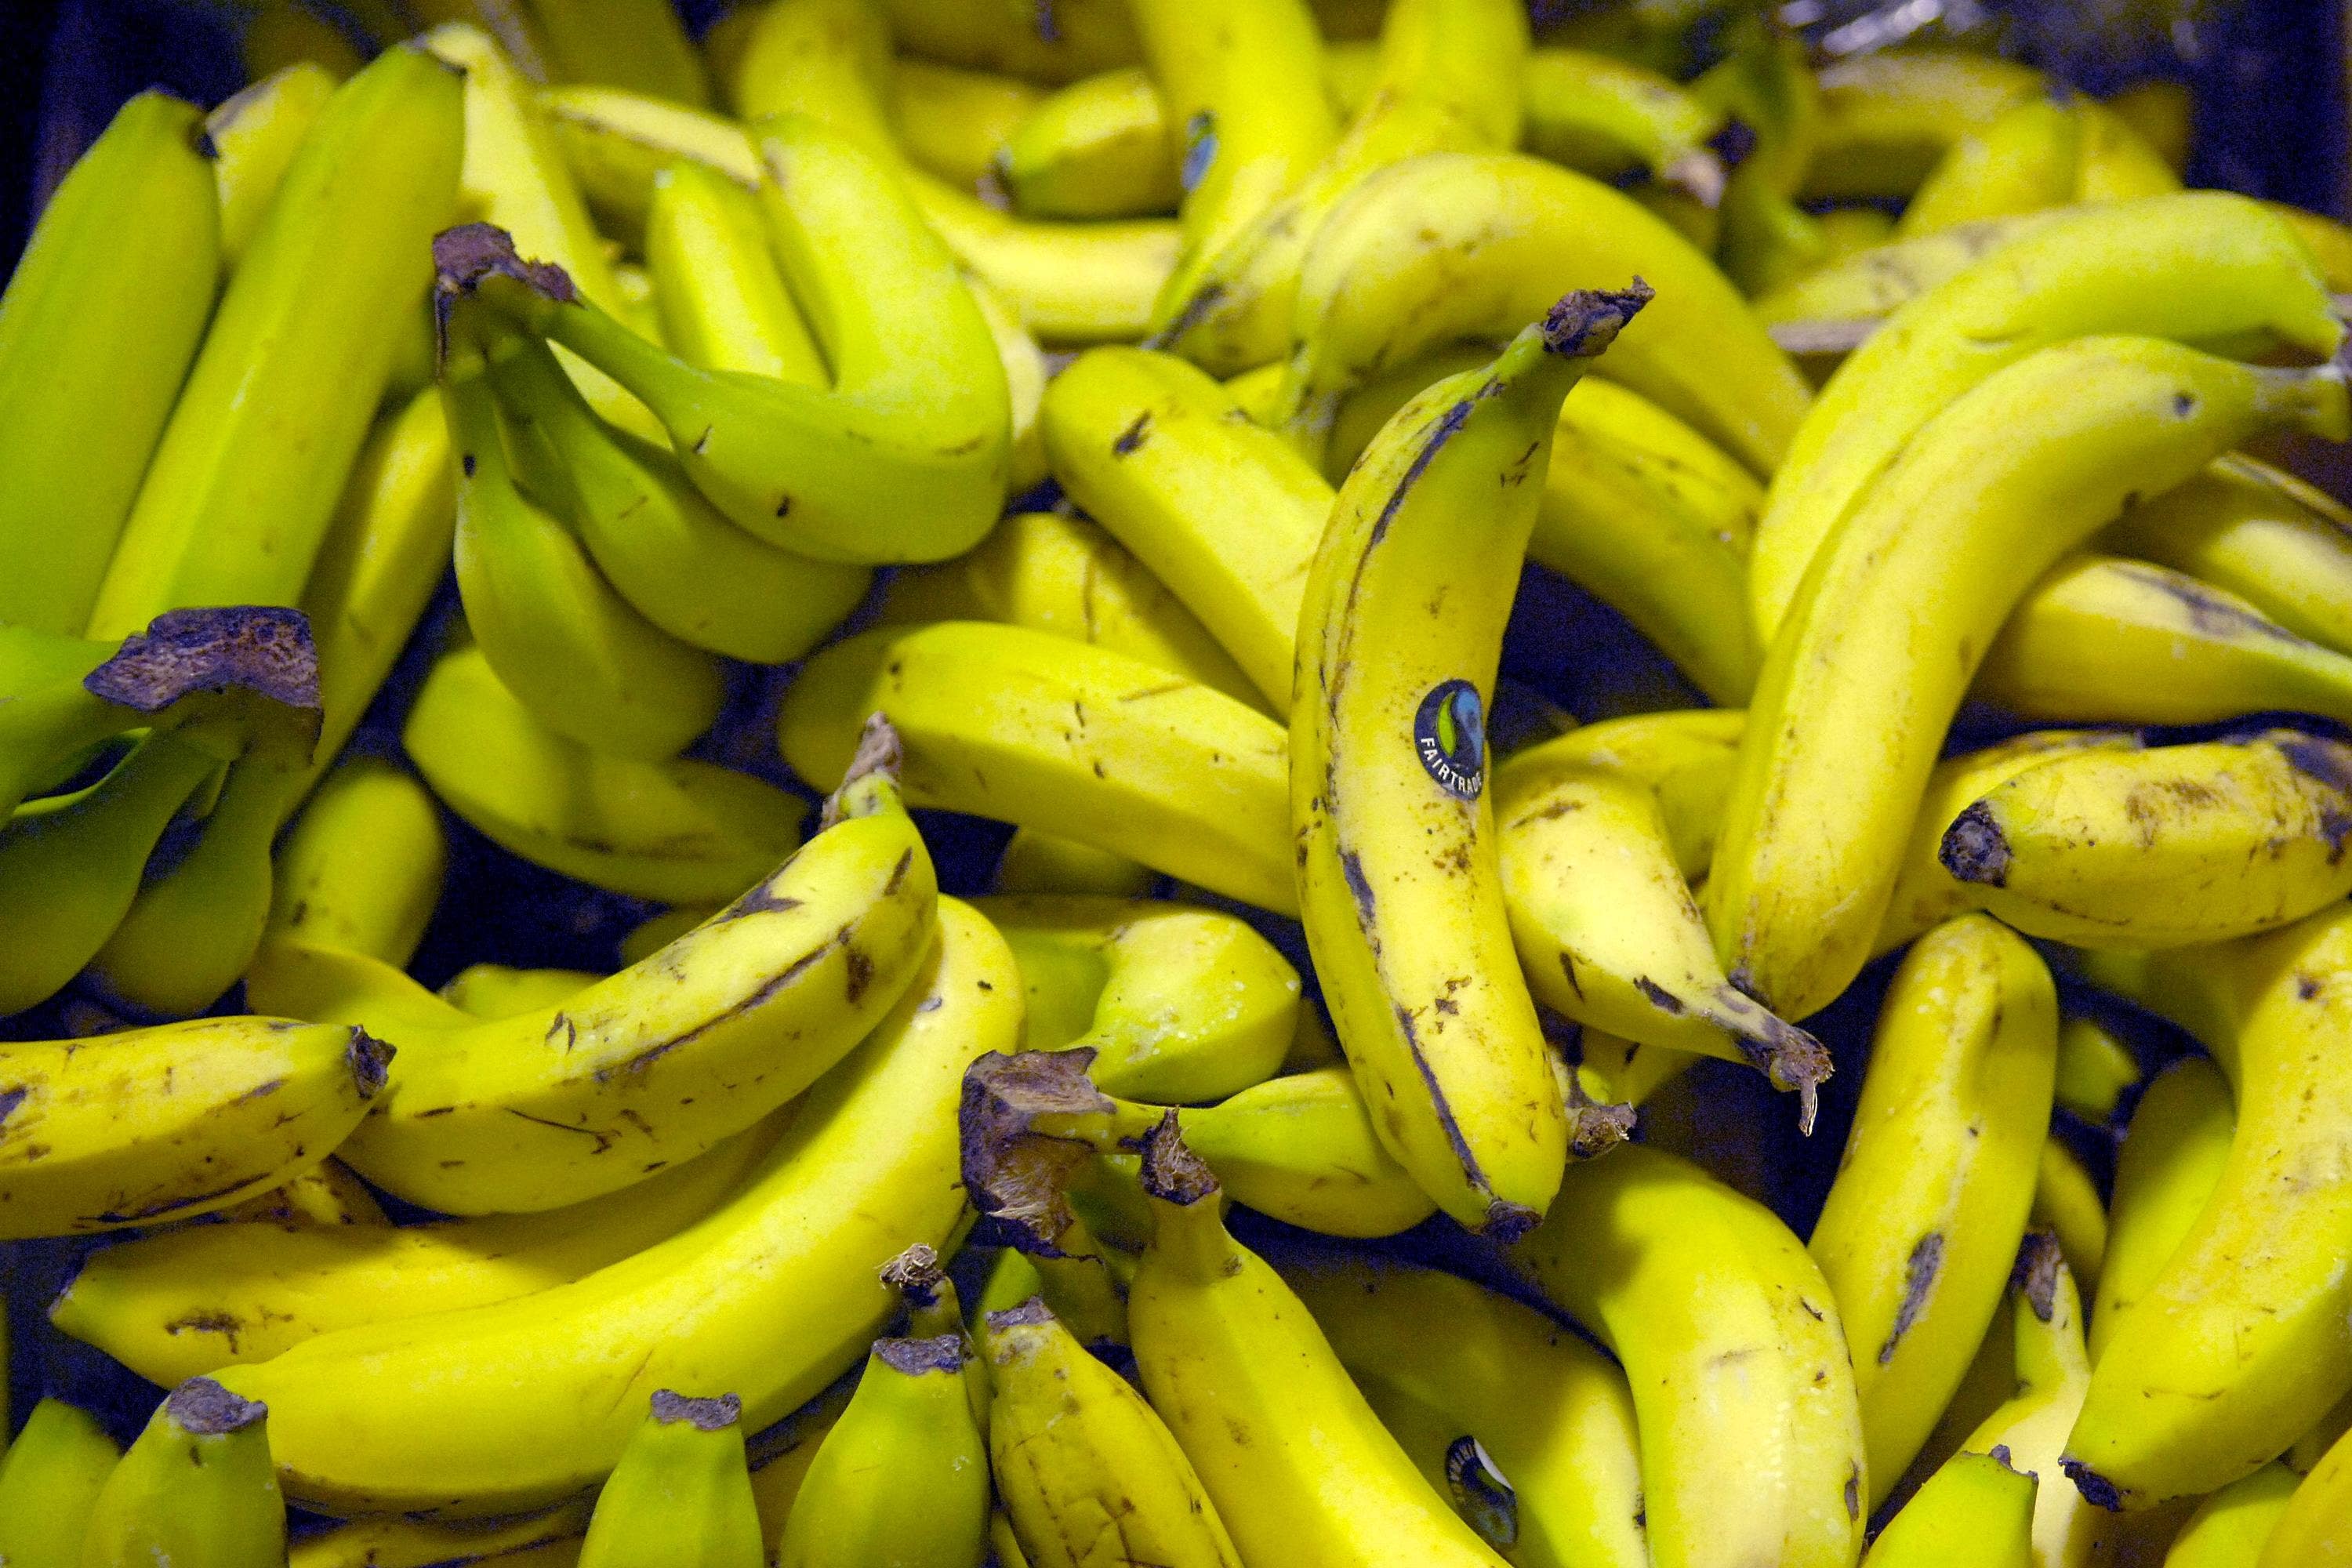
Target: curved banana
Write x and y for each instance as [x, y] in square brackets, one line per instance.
[1462, 245]
[2096, 1070]
[548, 1539]
[1732, 1345]
[2240, 1342]
[1606, 117]
[1399, 881]
[1088, 1472]
[1180, 1004]
[50, 1477]
[2316, 1526]
[1038, 730]
[2259, 532]
[956, 122]
[2066, 1203]
[102, 316]
[1098, 147]
[197, 1487]
[1889, 114]
[1432, 90]
[187, 1303]
[723, 301]
[1060, 572]
[496, 991]
[1891, 620]
[1294, 1459]
[1552, 1415]
[680, 1494]
[362, 868]
[254, 135]
[2229, 1528]
[1683, 755]
[2228, 268]
[167, 1122]
[1931, 1196]
[1854, 292]
[2170, 1162]
[235, 505]
[1081, 36]
[868, 1167]
[1221, 509]
[902, 1479]
[2084, 642]
[326, 1195]
[2164, 847]
[1036, 861]
[1026, 371]
[1974, 1511]
[2028, 159]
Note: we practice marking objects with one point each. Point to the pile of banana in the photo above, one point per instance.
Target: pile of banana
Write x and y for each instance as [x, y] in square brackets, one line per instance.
[1018, 563]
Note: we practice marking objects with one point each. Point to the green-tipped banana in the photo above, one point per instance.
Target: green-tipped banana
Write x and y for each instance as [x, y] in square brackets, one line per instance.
[902, 1479]
[196, 1490]
[680, 1496]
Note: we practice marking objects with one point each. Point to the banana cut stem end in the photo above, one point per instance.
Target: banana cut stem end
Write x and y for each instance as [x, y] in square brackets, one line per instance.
[1587, 320]
[206, 1409]
[1171, 1171]
[714, 1415]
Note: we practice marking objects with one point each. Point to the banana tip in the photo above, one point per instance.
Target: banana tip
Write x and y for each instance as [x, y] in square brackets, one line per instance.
[704, 1415]
[915, 1274]
[942, 1352]
[464, 256]
[206, 1409]
[1173, 1172]
[1587, 320]
[880, 753]
[371, 1060]
[2095, 1488]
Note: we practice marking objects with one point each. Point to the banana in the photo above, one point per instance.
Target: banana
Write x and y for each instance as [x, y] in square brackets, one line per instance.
[1034, 729]
[2229, 1528]
[1433, 90]
[2330, 242]
[254, 135]
[1856, 292]
[1039, 862]
[2066, 1203]
[1457, 245]
[1290, 1455]
[680, 1494]
[2096, 1070]
[1026, 371]
[1932, 1194]
[1060, 572]
[1088, 1474]
[172, 1122]
[2228, 268]
[2084, 642]
[495, 991]
[2316, 1526]
[2119, 163]
[2240, 1342]
[665, 549]
[100, 321]
[196, 1488]
[1551, 1415]
[187, 1303]
[326, 1194]
[1766, 83]
[1398, 878]
[558, 634]
[1179, 1005]
[868, 1167]
[1926, 894]
[956, 123]
[50, 1479]
[901, 1480]
[1910, 586]
[280, 34]
[659, 1062]
[641, 45]
[1080, 36]
[2170, 1162]
[1973, 1512]
[540, 1540]
[1220, 510]
[2169, 847]
[1607, 118]
[2256, 531]
[1683, 755]
[2027, 160]
[1732, 1345]
[243, 487]
[363, 867]
[1098, 147]
[1607, 932]
[723, 301]
[1887, 115]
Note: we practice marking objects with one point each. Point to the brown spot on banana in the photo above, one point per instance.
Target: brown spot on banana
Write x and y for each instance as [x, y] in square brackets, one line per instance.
[1920, 1273]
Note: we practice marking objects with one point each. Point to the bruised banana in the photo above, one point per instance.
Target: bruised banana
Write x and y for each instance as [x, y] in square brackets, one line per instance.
[2170, 1161]
[1398, 875]
[361, 869]
[1923, 1222]
[1962, 523]
[680, 1492]
[2169, 847]
[1041, 731]
[197, 1487]
[868, 1167]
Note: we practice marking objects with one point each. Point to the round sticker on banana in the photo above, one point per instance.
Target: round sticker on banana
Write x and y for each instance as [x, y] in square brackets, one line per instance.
[1449, 731]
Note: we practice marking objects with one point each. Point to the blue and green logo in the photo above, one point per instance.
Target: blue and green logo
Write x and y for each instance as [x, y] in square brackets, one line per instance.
[1449, 731]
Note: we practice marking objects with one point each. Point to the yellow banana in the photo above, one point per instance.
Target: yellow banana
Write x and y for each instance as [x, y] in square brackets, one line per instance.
[1768, 84]
[2316, 1526]
[2096, 1070]
[2026, 161]
[1607, 118]
[2085, 641]
[1888, 625]
[50, 1479]
[1181, 1005]
[1080, 37]
[868, 1167]
[2170, 1161]
[174, 1121]
[723, 301]
[1220, 510]
[636, 43]
[2066, 1203]
[1973, 1512]
[1098, 147]
[1732, 1343]
[1683, 755]
[278, 33]
[548, 1539]
[2330, 242]
[1025, 374]
[362, 868]
[244, 483]
[101, 318]
[2230, 1527]
[1464, 244]
[1398, 875]
[1434, 90]
[2119, 163]
[1931, 1196]
[1036, 861]
[2227, 268]
[1293, 1458]
[188, 1302]
[2164, 847]
[956, 123]
[1060, 572]
[1553, 1417]
[901, 1481]
[2256, 531]
[1088, 1472]
[2240, 1342]
[1852, 294]
[326, 1194]
[1034, 729]
[253, 136]
[196, 1488]
[496, 991]
[680, 1494]
[1887, 116]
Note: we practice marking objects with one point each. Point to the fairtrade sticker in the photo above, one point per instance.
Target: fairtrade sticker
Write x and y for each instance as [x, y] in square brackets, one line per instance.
[1449, 734]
